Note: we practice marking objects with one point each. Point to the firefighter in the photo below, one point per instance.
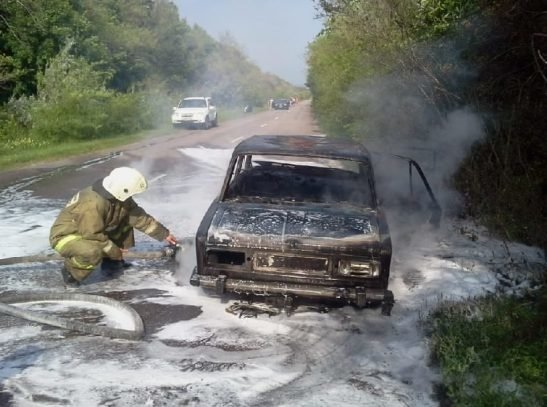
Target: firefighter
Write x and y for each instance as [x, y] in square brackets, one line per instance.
[96, 226]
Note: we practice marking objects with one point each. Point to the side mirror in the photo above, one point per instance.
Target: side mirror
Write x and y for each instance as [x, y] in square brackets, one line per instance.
[174, 108]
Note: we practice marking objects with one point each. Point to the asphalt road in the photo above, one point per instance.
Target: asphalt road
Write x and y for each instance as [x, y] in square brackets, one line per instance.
[160, 159]
[159, 292]
[58, 178]
[194, 353]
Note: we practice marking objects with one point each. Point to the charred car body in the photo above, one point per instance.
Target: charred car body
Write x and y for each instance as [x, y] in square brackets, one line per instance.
[297, 216]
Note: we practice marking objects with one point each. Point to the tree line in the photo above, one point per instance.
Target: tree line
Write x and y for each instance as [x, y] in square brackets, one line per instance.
[81, 69]
[395, 70]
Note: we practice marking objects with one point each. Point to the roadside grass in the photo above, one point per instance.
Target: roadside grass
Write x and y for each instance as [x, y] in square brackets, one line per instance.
[31, 153]
[492, 351]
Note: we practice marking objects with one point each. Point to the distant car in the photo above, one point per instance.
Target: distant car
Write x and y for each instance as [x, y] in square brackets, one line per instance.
[281, 104]
[195, 112]
[297, 216]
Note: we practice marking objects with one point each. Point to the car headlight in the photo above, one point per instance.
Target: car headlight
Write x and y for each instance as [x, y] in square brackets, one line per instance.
[359, 268]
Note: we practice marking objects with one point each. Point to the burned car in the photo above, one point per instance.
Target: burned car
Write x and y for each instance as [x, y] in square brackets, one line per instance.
[297, 216]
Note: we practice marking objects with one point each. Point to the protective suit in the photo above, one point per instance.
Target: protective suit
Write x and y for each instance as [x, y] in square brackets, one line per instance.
[99, 221]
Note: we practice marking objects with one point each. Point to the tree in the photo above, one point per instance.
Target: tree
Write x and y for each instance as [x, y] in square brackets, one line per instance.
[32, 32]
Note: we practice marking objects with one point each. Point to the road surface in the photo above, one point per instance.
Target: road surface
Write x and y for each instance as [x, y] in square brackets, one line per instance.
[195, 353]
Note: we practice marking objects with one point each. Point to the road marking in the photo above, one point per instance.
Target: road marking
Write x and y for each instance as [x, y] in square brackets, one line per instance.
[236, 140]
[157, 178]
[276, 117]
[264, 125]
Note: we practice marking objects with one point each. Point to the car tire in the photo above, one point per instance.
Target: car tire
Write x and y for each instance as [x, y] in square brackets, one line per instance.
[215, 122]
[386, 309]
[207, 123]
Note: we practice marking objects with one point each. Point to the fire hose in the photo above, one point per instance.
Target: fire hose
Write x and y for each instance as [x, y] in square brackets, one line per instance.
[168, 251]
[136, 333]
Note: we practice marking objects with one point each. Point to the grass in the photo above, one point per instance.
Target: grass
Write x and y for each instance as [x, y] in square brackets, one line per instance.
[492, 351]
[18, 158]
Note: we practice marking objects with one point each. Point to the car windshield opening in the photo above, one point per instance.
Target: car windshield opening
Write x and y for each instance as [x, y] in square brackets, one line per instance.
[276, 178]
[193, 103]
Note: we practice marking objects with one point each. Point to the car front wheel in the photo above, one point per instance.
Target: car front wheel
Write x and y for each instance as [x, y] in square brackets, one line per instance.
[207, 123]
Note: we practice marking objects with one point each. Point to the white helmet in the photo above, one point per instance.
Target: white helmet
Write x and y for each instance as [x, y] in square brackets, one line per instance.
[124, 182]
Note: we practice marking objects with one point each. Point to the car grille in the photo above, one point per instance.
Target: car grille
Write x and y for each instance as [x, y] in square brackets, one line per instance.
[282, 263]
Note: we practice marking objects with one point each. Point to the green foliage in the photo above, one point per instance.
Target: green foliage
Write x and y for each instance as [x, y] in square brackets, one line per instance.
[69, 75]
[92, 69]
[136, 44]
[48, 152]
[505, 178]
[130, 113]
[362, 40]
[31, 32]
[503, 45]
[437, 17]
[492, 351]
[72, 102]
[8, 72]
[334, 67]
[14, 136]
[73, 117]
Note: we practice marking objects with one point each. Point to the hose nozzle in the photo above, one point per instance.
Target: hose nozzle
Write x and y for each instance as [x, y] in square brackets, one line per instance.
[171, 250]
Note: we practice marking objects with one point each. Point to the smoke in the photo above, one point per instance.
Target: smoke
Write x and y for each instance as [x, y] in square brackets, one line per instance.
[419, 114]
[186, 262]
[181, 194]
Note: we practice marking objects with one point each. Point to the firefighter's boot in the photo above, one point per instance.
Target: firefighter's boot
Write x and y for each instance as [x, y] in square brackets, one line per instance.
[113, 268]
[68, 278]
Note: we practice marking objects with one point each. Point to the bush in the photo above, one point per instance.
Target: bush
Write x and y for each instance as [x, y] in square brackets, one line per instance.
[72, 104]
[492, 351]
[72, 117]
[12, 134]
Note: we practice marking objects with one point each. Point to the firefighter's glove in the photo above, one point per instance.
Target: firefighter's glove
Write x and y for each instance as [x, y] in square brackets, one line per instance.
[112, 251]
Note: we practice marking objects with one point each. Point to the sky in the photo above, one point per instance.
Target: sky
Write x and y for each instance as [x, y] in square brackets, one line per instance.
[344, 357]
[274, 34]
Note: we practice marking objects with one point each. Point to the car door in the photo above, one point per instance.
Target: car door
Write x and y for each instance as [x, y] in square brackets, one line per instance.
[404, 189]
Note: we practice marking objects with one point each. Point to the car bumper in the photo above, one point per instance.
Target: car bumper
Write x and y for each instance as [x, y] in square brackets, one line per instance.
[359, 296]
[187, 121]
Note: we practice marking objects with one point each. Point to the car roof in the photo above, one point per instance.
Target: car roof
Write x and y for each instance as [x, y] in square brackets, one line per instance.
[303, 145]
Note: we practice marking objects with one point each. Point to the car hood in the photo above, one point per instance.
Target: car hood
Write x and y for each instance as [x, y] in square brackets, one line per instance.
[265, 227]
